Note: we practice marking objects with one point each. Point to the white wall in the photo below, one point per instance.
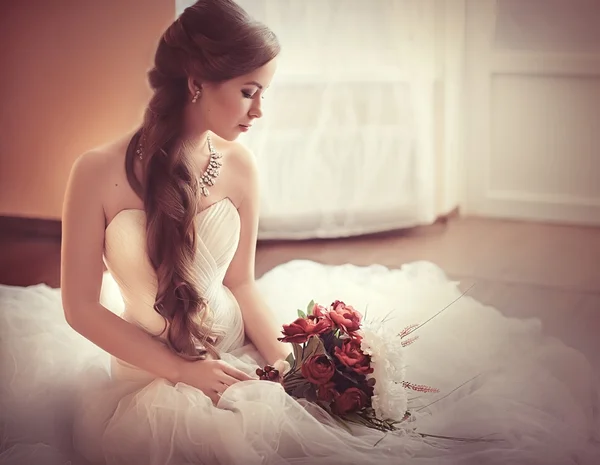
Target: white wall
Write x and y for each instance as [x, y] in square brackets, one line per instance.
[532, 112]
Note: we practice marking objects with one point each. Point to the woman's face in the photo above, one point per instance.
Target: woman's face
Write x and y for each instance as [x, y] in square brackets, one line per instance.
[229, 108]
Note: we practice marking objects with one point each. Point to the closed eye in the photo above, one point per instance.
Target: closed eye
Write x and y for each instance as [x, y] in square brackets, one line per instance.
[249, 95]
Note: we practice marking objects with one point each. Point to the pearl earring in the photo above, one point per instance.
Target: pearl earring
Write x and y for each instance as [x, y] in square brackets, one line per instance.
[195, 99]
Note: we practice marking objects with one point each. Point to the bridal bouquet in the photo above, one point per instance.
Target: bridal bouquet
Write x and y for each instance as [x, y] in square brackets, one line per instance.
[352, 369]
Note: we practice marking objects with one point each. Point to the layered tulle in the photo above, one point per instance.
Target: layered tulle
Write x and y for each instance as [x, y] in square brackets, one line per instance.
[533, 400]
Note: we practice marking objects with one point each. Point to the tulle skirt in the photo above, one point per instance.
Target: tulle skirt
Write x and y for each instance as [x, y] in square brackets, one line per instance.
[526, 398]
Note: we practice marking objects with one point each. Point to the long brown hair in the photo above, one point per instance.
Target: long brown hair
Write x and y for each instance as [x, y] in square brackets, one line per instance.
[214, 41]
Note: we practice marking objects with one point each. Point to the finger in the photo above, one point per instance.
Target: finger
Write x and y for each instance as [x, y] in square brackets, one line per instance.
[237, 374]
[228, 380]
[215, 396]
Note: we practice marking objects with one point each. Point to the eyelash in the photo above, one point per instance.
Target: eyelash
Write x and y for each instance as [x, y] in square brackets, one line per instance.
[250, 96]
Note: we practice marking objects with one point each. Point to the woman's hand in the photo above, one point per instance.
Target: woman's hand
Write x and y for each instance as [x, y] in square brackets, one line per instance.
[212, 377]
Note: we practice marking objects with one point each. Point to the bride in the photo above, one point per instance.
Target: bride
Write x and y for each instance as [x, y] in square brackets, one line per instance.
[155, 362]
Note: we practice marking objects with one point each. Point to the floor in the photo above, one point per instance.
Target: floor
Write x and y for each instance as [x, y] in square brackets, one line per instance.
[524, 269]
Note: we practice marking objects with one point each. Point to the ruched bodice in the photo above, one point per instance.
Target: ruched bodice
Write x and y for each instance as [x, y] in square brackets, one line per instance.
[217, 228]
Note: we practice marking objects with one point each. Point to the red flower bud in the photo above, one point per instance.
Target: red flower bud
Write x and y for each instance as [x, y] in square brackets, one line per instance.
[318, 369]
[353, 357]
[344, 317]
[351, 400]
[268, 373]
[327, 392]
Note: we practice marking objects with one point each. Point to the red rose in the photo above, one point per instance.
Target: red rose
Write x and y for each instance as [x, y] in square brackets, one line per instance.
[344, 317]
[318, 369]
[300, 330]
[327, 392]
[351, 356]
[319, 311]
[351, 400]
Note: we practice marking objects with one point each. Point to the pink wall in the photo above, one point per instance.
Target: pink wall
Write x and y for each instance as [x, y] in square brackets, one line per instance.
[73, 77]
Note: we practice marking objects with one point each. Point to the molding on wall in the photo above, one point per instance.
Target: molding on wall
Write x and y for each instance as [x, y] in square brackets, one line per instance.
[24, 227]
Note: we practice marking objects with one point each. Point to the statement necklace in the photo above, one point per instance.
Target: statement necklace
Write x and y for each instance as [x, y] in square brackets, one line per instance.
[209, 177]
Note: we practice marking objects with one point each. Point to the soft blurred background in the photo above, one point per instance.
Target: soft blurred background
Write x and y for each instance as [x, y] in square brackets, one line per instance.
[464, 132]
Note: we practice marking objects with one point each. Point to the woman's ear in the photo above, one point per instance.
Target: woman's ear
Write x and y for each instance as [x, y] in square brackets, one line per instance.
[193, 87]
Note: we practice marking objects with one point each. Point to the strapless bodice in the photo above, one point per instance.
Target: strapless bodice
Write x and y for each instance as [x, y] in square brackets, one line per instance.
[217, 228]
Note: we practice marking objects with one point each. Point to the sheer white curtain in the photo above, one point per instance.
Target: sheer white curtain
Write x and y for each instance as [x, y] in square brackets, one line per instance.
[361, 117]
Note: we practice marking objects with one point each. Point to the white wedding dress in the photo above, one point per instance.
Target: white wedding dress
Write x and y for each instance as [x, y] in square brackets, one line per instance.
[66, 401]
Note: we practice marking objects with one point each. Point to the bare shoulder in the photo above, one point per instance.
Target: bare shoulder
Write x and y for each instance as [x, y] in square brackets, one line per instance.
[240, 168]
[99, 176]
[83, 228]
[87, 173]
[246, 171]
[238, 177]
[242, 154]
[235, 154]
[99, 161]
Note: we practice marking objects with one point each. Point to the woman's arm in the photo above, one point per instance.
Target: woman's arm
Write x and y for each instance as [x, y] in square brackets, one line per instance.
[259, 323]
[83, 226]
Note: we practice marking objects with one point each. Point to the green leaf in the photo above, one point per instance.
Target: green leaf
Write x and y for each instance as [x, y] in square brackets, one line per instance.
[291, 360]
[300, 389]
[297, 354]
[301, 314]
[294, 383]
[310, 307]
[355, 382]
[310, 393]
[314, 346]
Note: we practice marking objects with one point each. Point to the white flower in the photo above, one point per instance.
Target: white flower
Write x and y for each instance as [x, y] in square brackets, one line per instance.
[389, 399]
